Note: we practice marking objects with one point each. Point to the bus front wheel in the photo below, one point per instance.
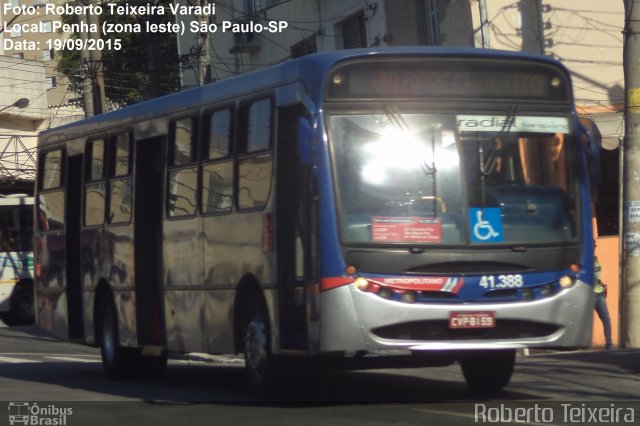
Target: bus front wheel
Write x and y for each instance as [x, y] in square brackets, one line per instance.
[259, 362]
[115, 358]
[489, 370]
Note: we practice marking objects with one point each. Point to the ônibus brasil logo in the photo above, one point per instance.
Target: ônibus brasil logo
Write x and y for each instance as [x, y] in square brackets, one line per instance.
[31, 414]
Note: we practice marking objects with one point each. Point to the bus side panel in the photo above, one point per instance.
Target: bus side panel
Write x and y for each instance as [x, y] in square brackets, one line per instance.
[222, 272]
[90, 264]
[339, 323]
[50, 258]
[233, 249]
[184, 299]
[106, 257]
[118, 273]
[219, 314]
[51, 299]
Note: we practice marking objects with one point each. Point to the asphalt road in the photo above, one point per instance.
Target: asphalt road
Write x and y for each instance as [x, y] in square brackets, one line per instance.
[50, 377]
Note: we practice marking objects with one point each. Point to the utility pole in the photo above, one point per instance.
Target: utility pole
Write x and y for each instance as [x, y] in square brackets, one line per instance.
[630, 294]
[484, 24]
[531, 28]
[204, 46]
[94, 95]
[85, 64]
[95, 57]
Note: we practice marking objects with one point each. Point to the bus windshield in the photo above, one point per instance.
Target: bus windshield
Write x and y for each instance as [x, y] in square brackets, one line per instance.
[426, 178]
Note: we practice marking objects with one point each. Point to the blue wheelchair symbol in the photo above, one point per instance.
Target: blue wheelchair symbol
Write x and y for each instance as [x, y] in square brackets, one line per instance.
[486, 225]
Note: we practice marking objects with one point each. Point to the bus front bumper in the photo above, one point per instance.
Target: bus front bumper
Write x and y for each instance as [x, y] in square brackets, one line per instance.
[352, 320]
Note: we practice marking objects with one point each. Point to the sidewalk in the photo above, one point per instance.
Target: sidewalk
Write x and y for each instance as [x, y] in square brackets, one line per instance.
[625, 359]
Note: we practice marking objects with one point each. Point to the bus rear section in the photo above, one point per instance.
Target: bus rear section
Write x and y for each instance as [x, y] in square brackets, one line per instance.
[461, 212]
[16, 259]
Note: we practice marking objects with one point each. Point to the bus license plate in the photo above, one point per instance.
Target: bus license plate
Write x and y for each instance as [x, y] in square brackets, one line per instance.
[472, 319]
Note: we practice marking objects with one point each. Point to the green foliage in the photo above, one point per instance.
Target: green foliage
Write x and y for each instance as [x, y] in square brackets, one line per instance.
[145, 67]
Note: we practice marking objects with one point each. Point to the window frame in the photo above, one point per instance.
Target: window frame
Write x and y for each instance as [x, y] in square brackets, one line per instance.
[172, 167]
[44, 191]
[112, 176]
[42, 164]
[242, 147]
[89, 180]
[206, 161]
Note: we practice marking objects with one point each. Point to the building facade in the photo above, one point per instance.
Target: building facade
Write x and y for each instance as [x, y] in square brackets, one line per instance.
[23, 113]
[28, 35]
[28, 61]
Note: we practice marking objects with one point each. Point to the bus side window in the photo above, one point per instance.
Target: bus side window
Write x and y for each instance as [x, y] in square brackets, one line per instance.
[217, 172]
[183, 174]
[51, 197]
[51, 170]
[254, 151]
[95, 186]
[120, 206]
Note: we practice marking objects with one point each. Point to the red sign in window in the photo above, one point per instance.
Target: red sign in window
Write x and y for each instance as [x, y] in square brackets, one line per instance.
[406, 229]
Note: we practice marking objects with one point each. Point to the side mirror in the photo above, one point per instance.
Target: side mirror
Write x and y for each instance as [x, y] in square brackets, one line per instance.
[305, 139]
[591, 136]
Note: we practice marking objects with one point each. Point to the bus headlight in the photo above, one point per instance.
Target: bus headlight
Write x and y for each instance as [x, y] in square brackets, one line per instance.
[361, 283]
[567, 281]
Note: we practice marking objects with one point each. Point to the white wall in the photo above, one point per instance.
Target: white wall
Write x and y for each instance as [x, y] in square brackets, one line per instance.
[19, 128]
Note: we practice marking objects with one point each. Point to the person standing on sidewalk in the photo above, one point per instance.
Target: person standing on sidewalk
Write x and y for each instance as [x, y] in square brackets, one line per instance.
[600, 289]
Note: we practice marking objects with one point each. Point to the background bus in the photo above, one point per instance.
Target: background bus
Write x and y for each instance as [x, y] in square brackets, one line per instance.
[363, 208]
[16, 259]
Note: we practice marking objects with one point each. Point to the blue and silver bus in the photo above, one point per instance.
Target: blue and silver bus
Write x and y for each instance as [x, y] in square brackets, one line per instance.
[361, 208]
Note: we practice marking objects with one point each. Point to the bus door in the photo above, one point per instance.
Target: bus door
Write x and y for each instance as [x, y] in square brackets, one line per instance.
[295, 233]
[148, 212]
[73, 268]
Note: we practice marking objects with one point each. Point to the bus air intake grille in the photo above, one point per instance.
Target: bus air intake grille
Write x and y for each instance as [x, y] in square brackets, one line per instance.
[438, 330]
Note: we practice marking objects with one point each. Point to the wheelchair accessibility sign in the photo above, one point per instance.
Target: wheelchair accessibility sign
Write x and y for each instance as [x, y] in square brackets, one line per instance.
[486, 225]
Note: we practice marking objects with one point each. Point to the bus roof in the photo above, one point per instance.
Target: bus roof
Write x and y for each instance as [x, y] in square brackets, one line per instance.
[310, 70]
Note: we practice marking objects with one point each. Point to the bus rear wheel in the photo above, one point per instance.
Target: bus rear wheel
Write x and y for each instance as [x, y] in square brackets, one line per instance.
[117, 360]
[489, 370]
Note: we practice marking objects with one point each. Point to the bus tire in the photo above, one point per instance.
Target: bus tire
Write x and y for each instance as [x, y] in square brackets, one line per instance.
[490, 370]
[259, 362]
[117, 361]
